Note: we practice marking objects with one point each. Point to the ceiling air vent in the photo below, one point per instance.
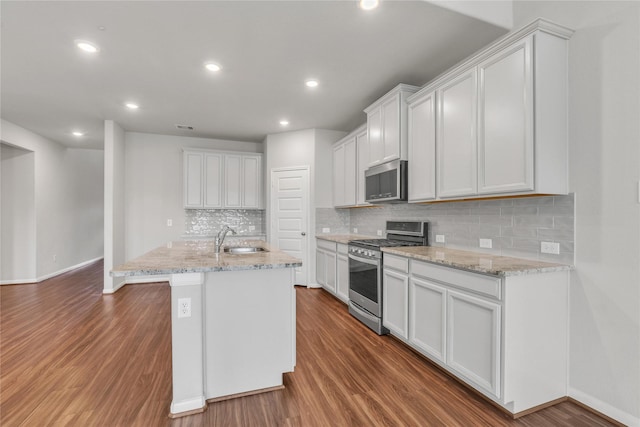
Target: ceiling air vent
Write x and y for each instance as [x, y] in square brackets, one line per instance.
[184, 127]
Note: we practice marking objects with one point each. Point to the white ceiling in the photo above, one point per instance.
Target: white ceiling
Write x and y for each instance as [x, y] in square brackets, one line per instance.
[152, 52]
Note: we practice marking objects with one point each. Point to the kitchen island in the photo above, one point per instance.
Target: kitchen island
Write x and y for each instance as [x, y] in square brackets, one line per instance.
[232, 319]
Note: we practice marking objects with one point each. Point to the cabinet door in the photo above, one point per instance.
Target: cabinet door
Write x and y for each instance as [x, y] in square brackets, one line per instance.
[473, 340]
[374, 135]
[338, 175]
[252, 182]
[349, 184]
[192, 182]
[395, 297]
[330, 269]
[427, 317]
[391, 128]
[321, 269]
[456, 140]
[213, 180]
[422, 148]
[342, 283]
[233, 181]
[505, 121]
[362, 149]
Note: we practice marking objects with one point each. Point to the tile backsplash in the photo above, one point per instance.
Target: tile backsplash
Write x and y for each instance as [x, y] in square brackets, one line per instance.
[207, 222]
[516, 226]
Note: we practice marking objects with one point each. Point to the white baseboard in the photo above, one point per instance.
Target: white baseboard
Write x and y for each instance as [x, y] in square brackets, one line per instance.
[50, 275]
[314, 285]
[604, 408]
[188, 405]
[117, 286]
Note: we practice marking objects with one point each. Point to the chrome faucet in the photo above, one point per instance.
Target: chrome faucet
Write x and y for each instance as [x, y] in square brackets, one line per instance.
[220, 240]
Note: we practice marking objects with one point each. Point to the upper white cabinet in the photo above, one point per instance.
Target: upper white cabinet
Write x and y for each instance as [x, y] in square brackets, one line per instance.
[222, 180]
[501, 121]
[422, 147]
[387, 126]
[349, 164]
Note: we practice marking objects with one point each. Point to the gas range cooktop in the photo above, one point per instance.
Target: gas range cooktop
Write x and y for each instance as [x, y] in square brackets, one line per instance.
[399, 233]
[383, 243]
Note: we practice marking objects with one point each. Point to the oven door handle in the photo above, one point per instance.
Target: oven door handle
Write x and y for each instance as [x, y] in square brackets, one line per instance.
[375, 262]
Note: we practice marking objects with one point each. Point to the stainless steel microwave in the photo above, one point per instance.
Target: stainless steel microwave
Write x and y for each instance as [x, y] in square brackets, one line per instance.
[386, 182]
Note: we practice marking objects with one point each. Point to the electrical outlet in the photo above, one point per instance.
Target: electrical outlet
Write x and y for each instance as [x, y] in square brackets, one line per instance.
[486, 243]
[439, 238]
[379, 232]
[184, 307]
[550, 248]
[252, 228]
[326, 230]
[55, 258]
[169, 223]
[355, 229]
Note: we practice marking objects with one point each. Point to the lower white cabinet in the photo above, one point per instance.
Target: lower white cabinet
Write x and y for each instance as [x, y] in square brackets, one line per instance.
[473, 340]
[342, 273]
[427, 317]
[332, 268]
[504, 336]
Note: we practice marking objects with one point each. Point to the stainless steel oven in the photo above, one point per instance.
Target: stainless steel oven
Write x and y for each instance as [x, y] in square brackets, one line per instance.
[365, 270]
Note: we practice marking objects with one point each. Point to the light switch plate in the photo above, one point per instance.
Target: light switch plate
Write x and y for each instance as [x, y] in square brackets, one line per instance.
[379, 232]
[486, 243]
[169, 223]
[439, 238]
[355, 229]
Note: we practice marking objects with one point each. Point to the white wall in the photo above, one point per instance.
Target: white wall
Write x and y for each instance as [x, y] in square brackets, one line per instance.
[68, 201]
[495, 12]
[604, 153]
[153, 190]
[18, 215]
[114, 204]
[324, 166]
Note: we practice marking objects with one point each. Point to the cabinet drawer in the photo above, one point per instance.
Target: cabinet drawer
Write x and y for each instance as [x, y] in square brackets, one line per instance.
[325, 244]
[343, 249]
[396, 262]
[478, 283]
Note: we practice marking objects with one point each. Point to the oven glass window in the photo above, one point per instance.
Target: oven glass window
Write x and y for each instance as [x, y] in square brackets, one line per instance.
[363, 279]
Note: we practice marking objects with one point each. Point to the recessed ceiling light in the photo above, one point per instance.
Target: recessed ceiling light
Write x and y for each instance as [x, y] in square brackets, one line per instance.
[311, 83]
[87, 46]
[284, 122]
[212, 66]
[369, 4]
[131, 106]
[77, 133]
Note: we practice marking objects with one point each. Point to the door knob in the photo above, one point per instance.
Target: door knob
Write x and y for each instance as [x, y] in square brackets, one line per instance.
[303, 233]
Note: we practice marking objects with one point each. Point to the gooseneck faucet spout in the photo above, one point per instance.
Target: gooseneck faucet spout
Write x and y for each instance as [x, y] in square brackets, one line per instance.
[220, 237]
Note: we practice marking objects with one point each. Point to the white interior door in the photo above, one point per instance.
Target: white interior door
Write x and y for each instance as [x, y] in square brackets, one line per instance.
[289, 209]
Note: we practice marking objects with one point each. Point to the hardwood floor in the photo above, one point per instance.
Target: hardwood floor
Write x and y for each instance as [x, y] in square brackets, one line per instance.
[72, 356]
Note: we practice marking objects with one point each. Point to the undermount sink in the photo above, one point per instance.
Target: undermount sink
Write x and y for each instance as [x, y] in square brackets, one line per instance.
[236, 250]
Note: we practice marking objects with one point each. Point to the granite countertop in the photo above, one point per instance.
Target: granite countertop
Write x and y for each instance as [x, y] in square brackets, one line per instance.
[343, 238]
[197, 256]
[476, 261]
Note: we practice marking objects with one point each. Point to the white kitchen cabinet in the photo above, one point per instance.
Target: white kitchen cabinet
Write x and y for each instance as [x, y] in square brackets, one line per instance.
[505, 121]
[193, 169]
[345, 172]
[222, 180]
[342, 273]
[506, 337]
[427, 317]
[362, 150]
[395, 295]
[326, 257]
[387, 126]
[252, 181]
[422, 147]
[232, 181]
[456, 136]
[473, 340]
[501, 119]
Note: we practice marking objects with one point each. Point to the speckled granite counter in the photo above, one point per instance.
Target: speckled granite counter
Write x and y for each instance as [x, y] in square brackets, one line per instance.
[197, 256]
[343, 238]
[476, 261]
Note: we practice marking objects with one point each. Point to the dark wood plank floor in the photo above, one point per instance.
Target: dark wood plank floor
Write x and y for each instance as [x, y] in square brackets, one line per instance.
[72, 356]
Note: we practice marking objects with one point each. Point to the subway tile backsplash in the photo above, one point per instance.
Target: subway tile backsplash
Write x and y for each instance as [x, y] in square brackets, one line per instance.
[207, 222]
[515, 226]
